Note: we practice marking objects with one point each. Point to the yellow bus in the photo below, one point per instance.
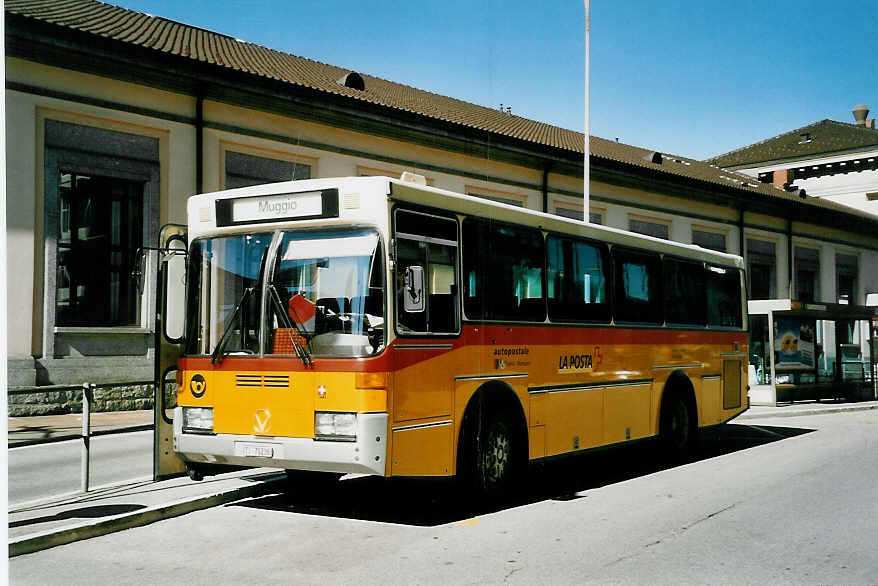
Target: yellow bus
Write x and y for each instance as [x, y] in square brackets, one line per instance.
[380, 326]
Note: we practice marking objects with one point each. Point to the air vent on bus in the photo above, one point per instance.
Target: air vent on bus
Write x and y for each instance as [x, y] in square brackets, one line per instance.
[270, 381]
[277, 381]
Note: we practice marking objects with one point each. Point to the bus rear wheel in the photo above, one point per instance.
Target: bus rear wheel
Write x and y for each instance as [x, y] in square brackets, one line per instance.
[678, 429]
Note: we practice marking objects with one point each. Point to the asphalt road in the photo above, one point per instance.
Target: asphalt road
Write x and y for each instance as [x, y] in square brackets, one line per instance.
[52, 469]
[784, 500]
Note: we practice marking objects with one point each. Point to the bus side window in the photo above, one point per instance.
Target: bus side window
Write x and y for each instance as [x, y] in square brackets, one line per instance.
[685, 293]
[724, 297]
[426, 248]
[576, 281]
[474, 246]
[514, 274]
[638, 286]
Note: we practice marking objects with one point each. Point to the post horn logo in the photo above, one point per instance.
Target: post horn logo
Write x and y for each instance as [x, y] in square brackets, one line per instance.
[198, 385]
[262, 421]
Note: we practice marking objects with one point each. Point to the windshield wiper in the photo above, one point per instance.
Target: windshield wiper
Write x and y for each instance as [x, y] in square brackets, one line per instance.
[301, 350]
[217, 356]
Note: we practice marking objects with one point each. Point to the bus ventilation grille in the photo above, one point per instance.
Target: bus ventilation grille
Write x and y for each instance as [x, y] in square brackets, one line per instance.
[272, 381]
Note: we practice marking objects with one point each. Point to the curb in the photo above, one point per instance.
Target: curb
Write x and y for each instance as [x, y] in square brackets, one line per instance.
[806, 412]
[12, 443]
[147, 516]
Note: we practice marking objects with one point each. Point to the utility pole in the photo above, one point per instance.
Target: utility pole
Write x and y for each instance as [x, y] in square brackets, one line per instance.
[585, 186]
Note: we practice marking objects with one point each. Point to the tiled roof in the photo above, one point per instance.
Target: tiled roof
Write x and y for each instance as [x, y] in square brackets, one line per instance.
[188, 42]
[823, 138]
[701, 171]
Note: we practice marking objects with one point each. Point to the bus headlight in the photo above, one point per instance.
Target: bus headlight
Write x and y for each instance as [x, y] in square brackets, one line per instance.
[197, 419]
[340, 427]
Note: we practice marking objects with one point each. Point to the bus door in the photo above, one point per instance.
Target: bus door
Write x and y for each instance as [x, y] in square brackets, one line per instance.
[428, 320]
[170, 304]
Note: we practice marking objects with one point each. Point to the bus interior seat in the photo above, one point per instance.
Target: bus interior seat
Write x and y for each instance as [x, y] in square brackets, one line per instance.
[331, 304]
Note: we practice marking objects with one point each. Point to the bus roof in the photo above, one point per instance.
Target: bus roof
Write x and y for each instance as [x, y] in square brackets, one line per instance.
[408, 191]
[478, 206]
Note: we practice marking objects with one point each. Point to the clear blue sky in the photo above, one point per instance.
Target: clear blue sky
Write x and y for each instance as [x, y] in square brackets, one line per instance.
[696, 78]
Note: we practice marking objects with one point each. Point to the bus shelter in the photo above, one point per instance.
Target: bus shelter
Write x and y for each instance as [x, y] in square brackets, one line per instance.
[810, 351]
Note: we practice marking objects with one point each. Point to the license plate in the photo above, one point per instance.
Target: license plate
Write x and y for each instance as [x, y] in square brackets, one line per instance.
[258, 451]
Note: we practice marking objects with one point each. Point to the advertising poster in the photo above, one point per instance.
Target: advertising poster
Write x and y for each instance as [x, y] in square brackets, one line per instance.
[794, 342]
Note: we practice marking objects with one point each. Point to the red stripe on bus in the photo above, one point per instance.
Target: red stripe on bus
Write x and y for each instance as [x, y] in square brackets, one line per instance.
[474, 335]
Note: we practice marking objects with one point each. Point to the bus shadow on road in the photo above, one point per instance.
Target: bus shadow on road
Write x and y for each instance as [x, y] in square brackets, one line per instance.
[431, 502]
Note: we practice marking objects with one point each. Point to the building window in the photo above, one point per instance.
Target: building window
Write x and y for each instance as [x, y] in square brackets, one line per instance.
[762, 269]
[101, 200]
[506, 197]
[596, 217]
[571, 213]
[650, 228]
[846, 273]
[807, 268]
[99, 231]
[711, 240]
[243, 170]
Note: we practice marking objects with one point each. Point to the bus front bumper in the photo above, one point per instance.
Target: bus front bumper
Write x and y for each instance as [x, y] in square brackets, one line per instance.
[366, 455]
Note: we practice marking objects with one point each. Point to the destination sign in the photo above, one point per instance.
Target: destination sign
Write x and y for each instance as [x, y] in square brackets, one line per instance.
[277, 207]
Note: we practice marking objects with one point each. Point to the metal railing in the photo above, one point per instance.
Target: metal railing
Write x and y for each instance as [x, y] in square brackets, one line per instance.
[87, 390]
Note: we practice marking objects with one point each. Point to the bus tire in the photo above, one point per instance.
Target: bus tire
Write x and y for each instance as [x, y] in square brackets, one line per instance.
[678, 428]
[499, 456]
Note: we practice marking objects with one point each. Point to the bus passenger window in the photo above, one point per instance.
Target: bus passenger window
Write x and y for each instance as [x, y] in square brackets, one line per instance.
[638, 286]
[685, 293]
[576, 281]
[724, 297]
[474, 247]
[514, 274]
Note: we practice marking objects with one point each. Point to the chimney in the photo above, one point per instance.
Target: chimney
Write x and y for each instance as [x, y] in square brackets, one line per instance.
[782, 178]
[860, 113]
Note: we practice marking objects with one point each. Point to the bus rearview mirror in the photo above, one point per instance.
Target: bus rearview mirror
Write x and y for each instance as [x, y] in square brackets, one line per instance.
[174, 294]
[413, 289]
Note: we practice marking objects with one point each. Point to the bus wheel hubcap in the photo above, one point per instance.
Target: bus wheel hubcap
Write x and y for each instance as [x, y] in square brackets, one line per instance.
[497, 457]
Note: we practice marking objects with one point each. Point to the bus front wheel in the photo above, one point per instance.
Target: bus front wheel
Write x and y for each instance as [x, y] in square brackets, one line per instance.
[498, 457]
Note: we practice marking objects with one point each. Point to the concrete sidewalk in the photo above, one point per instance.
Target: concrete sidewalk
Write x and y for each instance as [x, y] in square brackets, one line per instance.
[43, 524]
[24, 431]
[803, 408]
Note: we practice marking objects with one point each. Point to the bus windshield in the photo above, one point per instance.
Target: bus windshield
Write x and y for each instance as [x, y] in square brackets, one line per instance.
[322, 296]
